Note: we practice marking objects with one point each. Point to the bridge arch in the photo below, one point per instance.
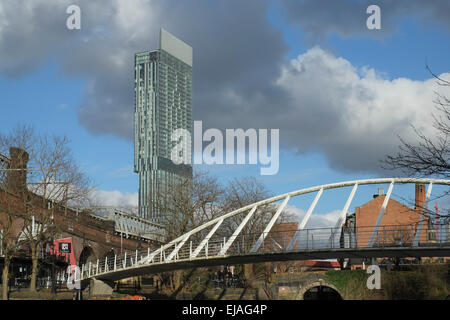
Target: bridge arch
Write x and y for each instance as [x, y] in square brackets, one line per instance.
[87, 255]
[319, 290]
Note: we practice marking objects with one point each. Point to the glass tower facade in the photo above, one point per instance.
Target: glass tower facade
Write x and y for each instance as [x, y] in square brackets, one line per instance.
[163, 103]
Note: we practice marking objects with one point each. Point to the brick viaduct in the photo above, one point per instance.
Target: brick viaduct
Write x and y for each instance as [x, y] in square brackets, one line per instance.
[92, 238]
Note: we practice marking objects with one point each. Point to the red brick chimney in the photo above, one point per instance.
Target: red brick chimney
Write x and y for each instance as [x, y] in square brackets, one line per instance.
[420, 197]
[16, 180]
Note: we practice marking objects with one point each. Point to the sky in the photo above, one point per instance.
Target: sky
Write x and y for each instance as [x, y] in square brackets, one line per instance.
[339, 93]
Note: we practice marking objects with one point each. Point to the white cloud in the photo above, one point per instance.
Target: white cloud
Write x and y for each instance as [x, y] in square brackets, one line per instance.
[132, 15]
[316, 220]
[362, 101]
[317, 232]
[114, 198]
[351, 114]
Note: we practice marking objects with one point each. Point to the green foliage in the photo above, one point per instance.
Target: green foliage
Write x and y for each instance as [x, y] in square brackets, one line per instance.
[424, 282]
[352, 284]
[427, 282]
[341, 278]
[404, 285]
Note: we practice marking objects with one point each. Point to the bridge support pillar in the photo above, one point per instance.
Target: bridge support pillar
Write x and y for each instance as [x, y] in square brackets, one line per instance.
[100, 287]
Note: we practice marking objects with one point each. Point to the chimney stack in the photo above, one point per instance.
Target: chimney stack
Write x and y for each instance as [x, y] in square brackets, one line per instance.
[16, 179]
[380, 193]
[420, 197]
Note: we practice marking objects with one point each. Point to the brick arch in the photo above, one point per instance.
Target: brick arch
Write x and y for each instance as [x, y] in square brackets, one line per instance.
[315, 283]
[87, 254]
[109, 253]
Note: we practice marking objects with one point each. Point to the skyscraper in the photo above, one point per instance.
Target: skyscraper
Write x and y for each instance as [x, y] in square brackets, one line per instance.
[163, 103]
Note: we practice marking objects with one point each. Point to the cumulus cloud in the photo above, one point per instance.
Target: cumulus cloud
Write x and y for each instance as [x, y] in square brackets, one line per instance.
[114, 198]
[319, 102]
[317, 220]
[352, 115]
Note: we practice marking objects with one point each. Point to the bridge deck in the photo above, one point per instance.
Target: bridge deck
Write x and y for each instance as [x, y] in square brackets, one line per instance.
[414, 252]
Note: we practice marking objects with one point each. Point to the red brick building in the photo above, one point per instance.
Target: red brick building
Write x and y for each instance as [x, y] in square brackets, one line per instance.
[398, 224]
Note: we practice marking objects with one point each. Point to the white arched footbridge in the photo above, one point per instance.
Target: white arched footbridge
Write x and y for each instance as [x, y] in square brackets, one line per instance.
[220, 246]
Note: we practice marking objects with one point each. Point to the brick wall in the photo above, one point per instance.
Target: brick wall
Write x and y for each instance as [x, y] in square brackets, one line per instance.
[396, 214]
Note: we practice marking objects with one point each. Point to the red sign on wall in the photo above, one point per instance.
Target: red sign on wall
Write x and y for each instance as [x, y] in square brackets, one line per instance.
[64, 248]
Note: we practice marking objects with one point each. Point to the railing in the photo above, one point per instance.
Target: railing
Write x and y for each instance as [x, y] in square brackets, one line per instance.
[128, 224]
[305, 240]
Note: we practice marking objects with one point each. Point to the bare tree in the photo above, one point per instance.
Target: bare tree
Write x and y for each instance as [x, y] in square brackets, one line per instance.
[428, 155]
[188, 203]
[184, 205]
[10, 222]
[12, 190]
[239, 193]
[53, 180]
[242, 192]
[192, 202]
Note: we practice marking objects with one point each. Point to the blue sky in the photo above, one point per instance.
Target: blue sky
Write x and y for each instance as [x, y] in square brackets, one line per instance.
[47, 100]
[57, 92]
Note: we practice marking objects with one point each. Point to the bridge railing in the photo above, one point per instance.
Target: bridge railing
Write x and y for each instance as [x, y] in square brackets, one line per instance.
[273, 242]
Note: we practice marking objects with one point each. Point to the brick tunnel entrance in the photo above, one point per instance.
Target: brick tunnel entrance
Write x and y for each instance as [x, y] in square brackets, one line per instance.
[321, 292]
[87, 255]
